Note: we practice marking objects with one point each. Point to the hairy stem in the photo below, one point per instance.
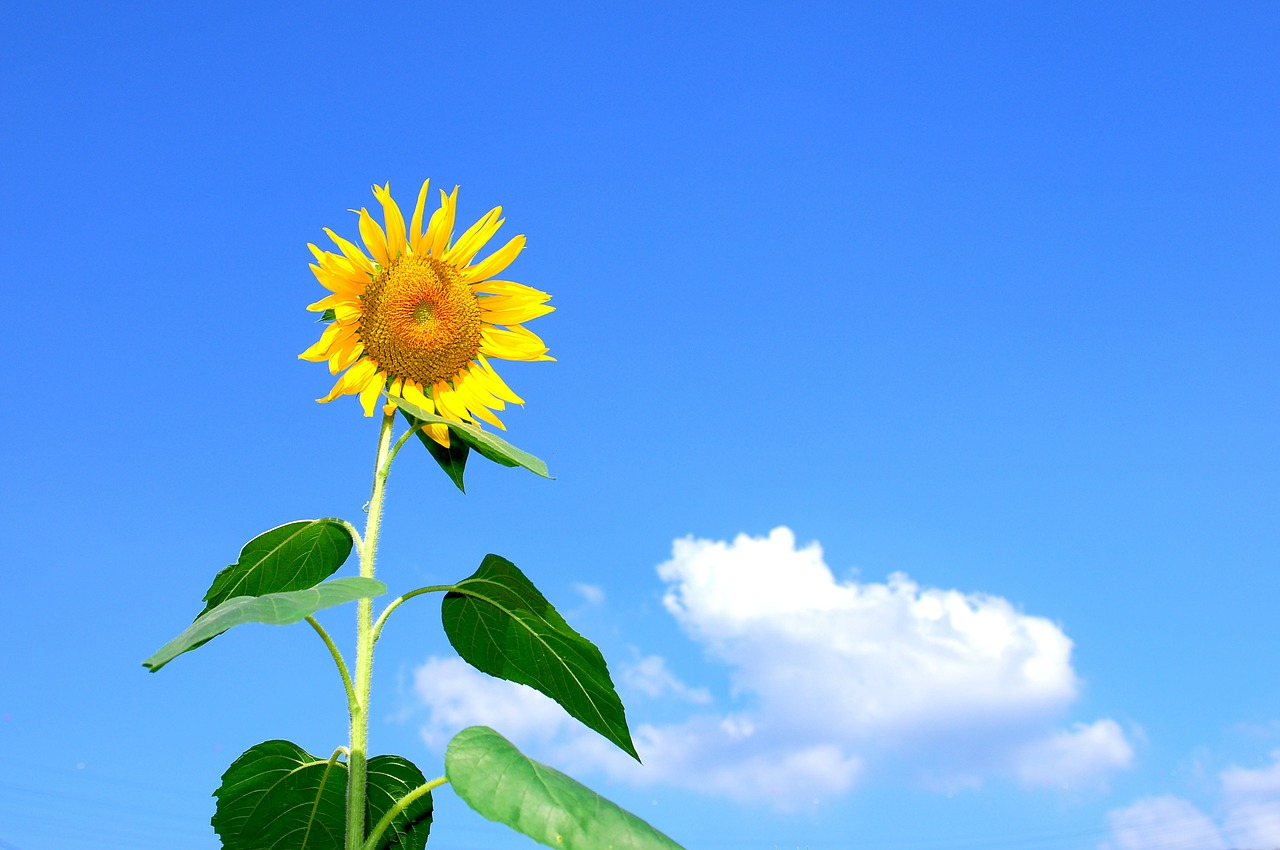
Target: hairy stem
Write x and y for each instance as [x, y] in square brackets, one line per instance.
[357, 760]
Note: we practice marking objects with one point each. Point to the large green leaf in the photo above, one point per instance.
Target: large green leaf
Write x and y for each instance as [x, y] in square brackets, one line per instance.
[504, 785]
[488, 445]
[277, 609]
[277, 796]
[501, 625]
[289, 557]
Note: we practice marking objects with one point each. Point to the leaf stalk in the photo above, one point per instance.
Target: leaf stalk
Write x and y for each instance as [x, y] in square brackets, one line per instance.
[338, 659]
[400, 600]
[403, 803]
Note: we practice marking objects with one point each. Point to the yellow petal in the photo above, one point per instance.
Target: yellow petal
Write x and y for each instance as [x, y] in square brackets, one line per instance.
[349, 312]
[476, 397]
[351, 252]
[513, 343]
[415, 226]
[374, 239]
[447, 402]
[496, 385]
[373, 389]
[482, 412]
[513, 314]
[441, 228]
[333, 393]
[352, 380]
[413, 394]
[320, 350]
[395, 221]
[496, 262]
[344, 354]
[475, 237]
[330, 301]
[335, 283]
[509, 288]
[439, 433]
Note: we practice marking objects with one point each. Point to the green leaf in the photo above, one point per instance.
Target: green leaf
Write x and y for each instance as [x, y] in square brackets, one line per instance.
[277, 796]
[501, 625]
[453, 460]
[390, 779]
[504, 785]
[277, 609]
[488, 445]
[289, 557]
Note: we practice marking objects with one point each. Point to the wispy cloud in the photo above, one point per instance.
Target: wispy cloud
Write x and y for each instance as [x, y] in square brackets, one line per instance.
[1248, 816]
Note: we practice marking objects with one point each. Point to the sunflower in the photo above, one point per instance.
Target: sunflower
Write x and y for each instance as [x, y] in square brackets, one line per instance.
[415, 317]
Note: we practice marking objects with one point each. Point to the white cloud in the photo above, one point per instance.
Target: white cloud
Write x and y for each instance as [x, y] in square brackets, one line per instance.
[1249, 816]
[590, 593]
[460, 696]
[888, 658]
[1162, 823]
[1251, 799]
[831, 679]
[651, 677]
[1075, 758]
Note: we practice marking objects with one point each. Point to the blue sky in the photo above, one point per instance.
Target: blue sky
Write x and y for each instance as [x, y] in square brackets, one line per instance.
[976, 304]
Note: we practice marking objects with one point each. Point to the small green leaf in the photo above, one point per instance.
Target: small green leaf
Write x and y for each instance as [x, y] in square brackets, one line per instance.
[501, 625]
[277, 796]
[289, 557]
[390, 779]
[494, 448]
[277, 609]
[453, 460]
[504, 785]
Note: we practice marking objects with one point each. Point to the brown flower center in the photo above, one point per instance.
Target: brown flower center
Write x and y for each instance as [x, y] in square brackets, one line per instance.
[420, 320]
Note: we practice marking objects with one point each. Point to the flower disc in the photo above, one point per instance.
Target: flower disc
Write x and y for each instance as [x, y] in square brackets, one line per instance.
[420, 320]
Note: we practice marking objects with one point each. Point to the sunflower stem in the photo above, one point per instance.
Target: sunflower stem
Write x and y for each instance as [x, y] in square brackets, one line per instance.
[357, 760]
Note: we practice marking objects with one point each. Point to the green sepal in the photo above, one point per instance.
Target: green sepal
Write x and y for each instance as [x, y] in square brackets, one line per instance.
[502, 625]
[292, 556]
[506, 786]
[490, 446]
[453, 460]
[276, 609]
[277, 796]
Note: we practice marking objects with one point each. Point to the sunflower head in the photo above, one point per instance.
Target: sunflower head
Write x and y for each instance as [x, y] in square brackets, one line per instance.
[415, 316]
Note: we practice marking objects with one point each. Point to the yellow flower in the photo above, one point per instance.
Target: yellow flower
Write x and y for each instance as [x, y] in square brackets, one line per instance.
[415, 317]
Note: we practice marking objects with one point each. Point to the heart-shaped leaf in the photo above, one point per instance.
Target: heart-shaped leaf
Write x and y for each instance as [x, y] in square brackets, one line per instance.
[494, 448]
[277, 609]
[277, 796]
[504, 785]
[289, 557]
[501, 625]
